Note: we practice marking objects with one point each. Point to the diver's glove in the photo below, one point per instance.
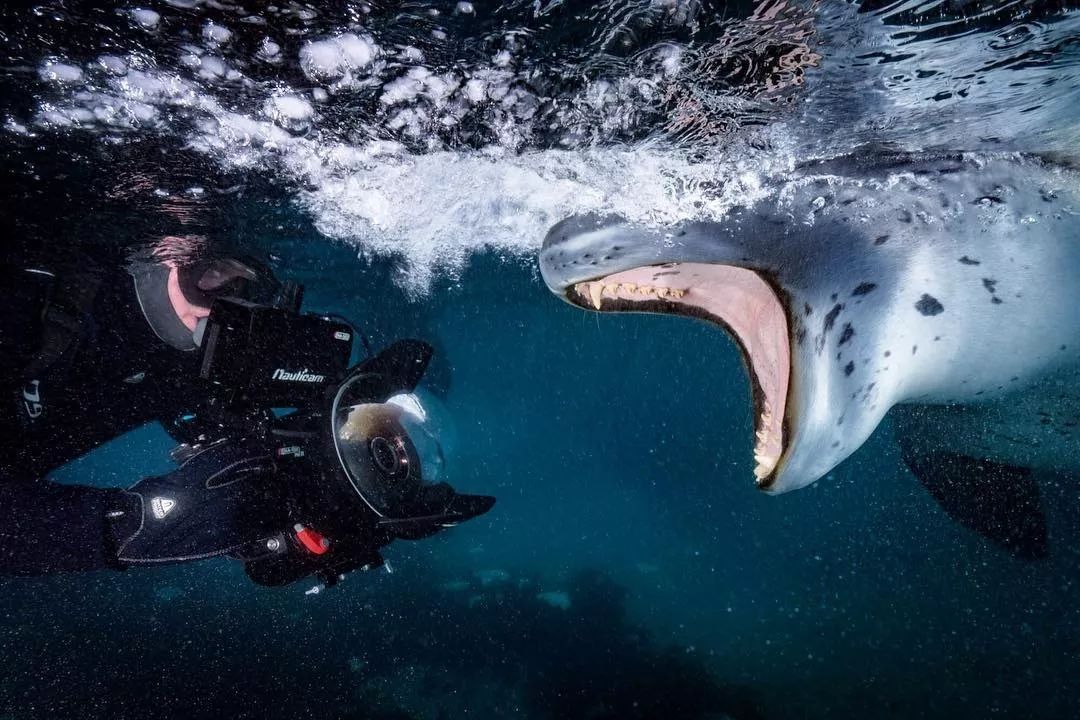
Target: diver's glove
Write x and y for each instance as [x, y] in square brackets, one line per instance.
[219, 500]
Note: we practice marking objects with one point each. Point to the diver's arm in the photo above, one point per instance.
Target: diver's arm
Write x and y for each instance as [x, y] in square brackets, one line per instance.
[61, 396]
[215, 503]
[47, 527]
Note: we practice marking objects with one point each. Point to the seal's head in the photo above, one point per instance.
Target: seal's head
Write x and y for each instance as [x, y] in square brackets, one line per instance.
[860, 282]
[793, 312]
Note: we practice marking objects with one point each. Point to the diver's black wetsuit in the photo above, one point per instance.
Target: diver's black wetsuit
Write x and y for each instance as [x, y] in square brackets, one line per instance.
[103, 373]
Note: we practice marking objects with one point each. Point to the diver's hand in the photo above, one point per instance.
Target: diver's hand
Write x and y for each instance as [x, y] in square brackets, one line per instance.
[217, 501]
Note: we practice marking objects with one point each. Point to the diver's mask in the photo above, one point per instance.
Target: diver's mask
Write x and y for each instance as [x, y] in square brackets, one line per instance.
[198, 284]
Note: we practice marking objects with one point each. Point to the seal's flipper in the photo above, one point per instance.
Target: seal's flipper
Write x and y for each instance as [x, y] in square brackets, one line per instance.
[1000, 502]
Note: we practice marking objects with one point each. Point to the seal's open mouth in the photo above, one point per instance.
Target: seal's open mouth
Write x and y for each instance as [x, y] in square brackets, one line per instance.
[734, 298]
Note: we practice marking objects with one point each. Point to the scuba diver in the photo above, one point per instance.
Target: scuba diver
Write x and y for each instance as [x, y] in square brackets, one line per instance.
[290, 460]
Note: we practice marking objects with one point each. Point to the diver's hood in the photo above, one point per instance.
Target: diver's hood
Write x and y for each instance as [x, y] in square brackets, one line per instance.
[388, 438]
[152, 291]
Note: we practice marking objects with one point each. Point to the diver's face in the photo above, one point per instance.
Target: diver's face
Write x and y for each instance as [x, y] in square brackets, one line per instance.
[188, 312]
[214, 279]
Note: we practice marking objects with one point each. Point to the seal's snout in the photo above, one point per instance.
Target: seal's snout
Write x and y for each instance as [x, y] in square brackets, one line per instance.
[583, 247]
[574, 226]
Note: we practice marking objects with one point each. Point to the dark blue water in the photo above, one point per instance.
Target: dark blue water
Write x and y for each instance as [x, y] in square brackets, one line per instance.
[617, 448]
[629, 569]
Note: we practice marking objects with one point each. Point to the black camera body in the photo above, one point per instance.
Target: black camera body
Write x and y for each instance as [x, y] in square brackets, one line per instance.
[272, 356]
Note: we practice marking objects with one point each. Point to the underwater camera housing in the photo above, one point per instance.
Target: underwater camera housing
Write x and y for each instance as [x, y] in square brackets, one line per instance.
[347, 500]
[272, 355]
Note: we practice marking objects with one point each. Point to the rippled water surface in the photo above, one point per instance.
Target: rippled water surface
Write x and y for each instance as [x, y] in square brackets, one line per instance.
[405, 160]
[499, 119]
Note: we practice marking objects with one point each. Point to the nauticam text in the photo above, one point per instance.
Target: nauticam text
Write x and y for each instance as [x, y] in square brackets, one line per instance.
[303, 376]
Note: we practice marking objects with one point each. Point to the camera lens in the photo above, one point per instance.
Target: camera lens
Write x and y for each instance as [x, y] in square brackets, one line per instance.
[385, 456]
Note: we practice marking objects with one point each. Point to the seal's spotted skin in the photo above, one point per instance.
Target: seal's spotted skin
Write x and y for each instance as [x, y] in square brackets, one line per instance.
[970, 265]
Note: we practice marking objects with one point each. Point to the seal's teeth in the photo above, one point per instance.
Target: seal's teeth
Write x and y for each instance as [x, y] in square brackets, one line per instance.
[764, 466]
[762, 436]
[595, 291]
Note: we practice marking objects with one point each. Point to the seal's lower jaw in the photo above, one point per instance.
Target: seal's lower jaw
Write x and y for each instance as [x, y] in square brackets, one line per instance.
[736, 299]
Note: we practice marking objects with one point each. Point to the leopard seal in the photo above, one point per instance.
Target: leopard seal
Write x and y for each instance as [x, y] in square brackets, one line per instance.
[944, 285]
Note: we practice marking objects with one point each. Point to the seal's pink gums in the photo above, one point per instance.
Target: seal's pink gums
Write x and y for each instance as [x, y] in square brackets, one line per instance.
[738, 297]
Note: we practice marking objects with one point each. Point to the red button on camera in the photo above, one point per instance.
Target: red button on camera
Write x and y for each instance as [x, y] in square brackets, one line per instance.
[313, 541]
